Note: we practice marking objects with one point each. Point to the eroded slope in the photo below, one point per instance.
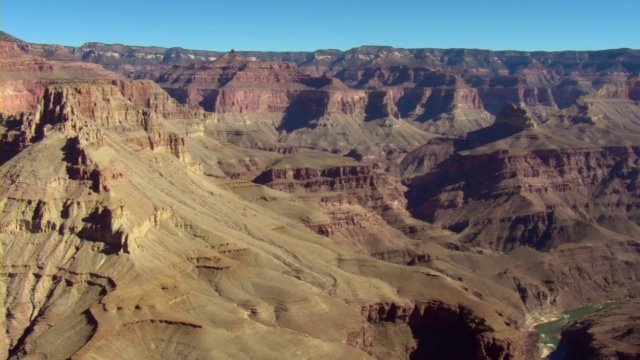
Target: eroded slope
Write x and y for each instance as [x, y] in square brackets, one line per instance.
[120, 241]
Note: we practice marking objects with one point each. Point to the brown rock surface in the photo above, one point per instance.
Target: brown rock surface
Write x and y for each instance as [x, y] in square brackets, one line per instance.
[129, 220]
[116, 243]
[612, 333]
[351, 201]
[542, 193]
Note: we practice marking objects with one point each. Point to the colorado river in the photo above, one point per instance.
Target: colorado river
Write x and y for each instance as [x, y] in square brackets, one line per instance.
[550, 331]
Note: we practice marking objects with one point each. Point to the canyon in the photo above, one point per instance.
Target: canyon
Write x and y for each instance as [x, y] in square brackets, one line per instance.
[371, 203]
[609, 333]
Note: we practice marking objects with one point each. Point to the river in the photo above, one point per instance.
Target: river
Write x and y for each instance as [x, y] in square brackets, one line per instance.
[550, 331]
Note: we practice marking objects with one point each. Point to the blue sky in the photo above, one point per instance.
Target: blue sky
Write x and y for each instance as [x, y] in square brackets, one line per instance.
[299, 25]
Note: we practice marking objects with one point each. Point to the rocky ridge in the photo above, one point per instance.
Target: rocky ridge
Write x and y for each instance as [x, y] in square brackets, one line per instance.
[141, 181]
[545, 186]
[443, 90]
[25, 77]
[101, 249]
[353, 198]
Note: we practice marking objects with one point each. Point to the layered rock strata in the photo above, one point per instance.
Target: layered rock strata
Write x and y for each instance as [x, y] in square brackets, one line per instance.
[549, 192]
[114, 243]
[25, 77]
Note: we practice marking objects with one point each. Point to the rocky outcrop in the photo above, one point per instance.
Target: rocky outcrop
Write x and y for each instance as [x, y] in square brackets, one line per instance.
[443, 331]
[425, 158]
[113, 103]
[21, 128]
[373, 189]
[612, 333]
[358, 204]
[634, 90]
[336, 178]
[84, 112]
[25, 77]
[81, 167]
[515, 116]
[202, 83]
[83, 107]
[572, 276]
[549, 187]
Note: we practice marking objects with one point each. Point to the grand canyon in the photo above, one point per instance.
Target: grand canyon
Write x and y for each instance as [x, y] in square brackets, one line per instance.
[375, 203]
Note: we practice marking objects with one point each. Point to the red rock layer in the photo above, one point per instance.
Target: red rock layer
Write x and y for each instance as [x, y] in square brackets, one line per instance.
[372, 189]
[236, 85]
[25, 77]
[87, 107]
[534, 195]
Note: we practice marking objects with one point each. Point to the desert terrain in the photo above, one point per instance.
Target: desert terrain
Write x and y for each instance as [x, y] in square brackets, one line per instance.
[375, 203]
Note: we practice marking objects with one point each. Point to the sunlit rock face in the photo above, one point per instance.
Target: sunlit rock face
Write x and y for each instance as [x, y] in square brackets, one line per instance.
[373, 203]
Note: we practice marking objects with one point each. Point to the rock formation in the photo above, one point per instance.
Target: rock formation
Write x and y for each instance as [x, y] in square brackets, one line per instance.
[354, 199]
[608, 334]
[102, 249]
[372, 203]
[25, 77]
[535, 196]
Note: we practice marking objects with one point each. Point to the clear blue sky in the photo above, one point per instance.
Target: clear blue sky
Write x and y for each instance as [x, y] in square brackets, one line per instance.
[340, 24]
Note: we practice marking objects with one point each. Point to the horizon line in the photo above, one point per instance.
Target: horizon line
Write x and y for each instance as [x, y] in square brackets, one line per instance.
[321, 49]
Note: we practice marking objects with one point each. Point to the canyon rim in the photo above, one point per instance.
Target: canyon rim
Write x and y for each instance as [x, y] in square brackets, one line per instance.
[379, 202]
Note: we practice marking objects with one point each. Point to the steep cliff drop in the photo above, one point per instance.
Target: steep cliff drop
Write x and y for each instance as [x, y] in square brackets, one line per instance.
[103, 249]
[611, 333]
[373, 203]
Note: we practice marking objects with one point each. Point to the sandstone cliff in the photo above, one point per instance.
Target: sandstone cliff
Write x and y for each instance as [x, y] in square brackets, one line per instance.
[25, 77]
[110, 241]
[461, 85]
[129, 219]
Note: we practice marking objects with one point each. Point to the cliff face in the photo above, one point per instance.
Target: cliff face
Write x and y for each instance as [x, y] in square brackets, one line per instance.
[441, 99]
[129, 107]
[452, 84]
[110, 240]
[537, 197]
[345, 186]
[445, 331]
[356, 201]
[611, 333]
[476, 84]
[129, 218]
[327, 99]
[263, 105]
[237, 85]
[199, 84]
[315, 180]
[25, 77]
[84, 112]
[349, 177]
